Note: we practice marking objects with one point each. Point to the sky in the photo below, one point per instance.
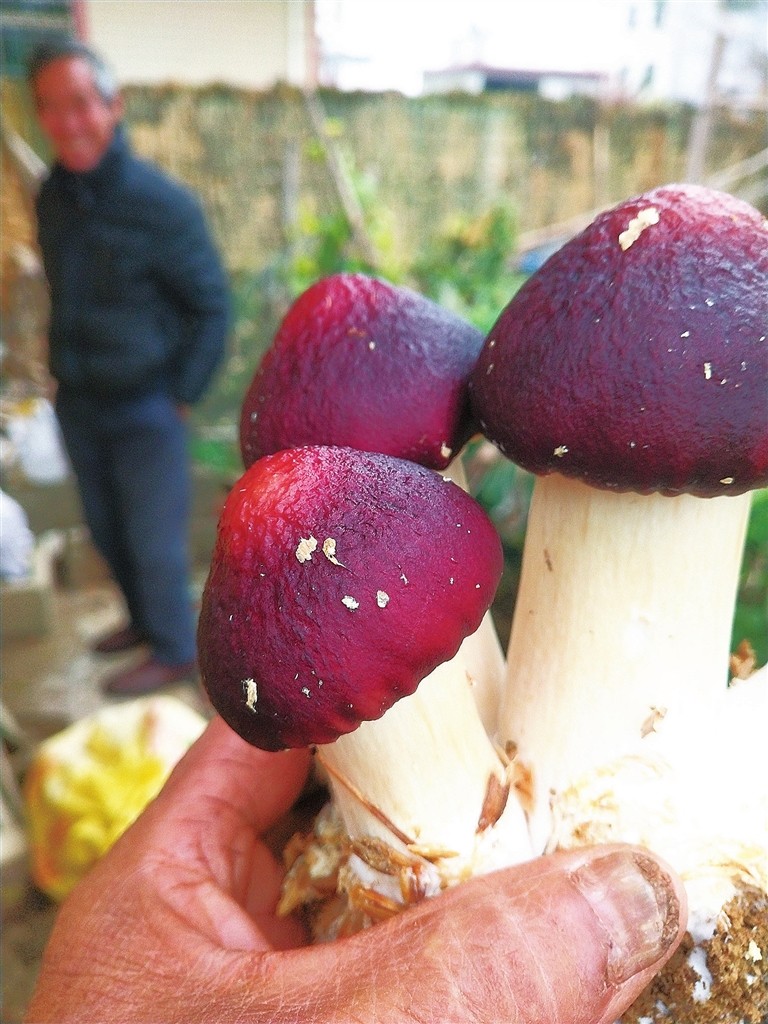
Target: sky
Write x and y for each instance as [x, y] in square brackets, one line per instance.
[401, 38]
[394, 41]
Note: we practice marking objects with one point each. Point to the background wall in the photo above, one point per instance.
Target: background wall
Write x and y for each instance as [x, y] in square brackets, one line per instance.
[246, 44]
[258, 159]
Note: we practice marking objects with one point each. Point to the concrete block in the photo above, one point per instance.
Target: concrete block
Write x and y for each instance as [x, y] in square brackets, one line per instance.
[14, 857]
[48, 507]
[80, 564]
[27, 605]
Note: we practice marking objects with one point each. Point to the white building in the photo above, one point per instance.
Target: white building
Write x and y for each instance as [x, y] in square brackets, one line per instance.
[551, 84]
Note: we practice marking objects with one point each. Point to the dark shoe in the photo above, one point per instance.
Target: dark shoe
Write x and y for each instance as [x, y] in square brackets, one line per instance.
[147, 677]
[121, 640]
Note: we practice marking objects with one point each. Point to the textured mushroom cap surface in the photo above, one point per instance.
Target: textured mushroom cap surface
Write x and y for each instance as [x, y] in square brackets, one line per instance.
[359, 362]
[339, 580]
[636, 358]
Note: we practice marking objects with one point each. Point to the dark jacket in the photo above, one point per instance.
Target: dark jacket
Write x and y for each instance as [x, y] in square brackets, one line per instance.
[139, 299]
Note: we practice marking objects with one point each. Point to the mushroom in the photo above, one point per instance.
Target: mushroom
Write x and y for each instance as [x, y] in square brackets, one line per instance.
[359, 362]
[362, 363]
[340, 582]
[630, 373]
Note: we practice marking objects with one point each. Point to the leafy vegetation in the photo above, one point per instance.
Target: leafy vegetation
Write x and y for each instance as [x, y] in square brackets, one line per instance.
[751, 618]
[466, 267]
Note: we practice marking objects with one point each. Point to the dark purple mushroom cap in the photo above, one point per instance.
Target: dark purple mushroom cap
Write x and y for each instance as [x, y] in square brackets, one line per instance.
[339, 580]
[636, 358]
[359, 362]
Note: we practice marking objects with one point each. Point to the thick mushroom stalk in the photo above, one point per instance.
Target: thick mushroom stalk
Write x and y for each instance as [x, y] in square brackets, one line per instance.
[482, 651]
[340, 582]
[630, 374]
[361, 363]
[447, 819]
[622, 629]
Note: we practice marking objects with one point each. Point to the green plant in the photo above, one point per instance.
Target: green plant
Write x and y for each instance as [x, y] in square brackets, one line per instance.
[325, 243]
[751, 618]
[467, 267]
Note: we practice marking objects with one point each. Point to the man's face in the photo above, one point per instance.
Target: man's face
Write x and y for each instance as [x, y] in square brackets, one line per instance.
[78, 122]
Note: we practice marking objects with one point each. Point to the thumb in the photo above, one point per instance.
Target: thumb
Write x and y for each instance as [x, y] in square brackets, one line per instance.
[222, 770]
[572, 938]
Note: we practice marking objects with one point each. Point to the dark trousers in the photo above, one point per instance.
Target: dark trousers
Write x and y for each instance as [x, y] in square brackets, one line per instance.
[132, 467]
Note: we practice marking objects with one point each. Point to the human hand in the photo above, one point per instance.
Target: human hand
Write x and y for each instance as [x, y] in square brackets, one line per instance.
[176, 924]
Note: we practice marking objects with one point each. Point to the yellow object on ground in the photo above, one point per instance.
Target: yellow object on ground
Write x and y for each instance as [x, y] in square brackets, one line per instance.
[87, 784]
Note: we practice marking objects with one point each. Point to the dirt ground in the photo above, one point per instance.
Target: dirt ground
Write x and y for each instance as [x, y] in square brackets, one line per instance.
[49, 682]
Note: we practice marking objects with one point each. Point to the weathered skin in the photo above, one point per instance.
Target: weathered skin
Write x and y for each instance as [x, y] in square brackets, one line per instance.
[296, 651]
[362, 363]
[640, 361]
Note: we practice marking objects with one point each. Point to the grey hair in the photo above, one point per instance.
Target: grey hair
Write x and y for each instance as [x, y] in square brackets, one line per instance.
[64, 47]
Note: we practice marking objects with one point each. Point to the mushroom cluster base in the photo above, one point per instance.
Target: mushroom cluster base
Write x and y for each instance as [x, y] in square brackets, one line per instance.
[719, 975]
[707, 817]
[342, 885]
[719, 979]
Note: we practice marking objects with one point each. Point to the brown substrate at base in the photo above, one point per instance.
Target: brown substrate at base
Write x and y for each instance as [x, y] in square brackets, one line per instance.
[737, 959]
[320, 885]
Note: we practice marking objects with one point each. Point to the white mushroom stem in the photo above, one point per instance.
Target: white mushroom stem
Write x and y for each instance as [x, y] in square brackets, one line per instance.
[483, 652]
[425, 777]
[484, 657]
[621, 631]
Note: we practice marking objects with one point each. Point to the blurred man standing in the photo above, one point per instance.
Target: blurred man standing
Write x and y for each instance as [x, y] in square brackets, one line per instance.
[139, 317]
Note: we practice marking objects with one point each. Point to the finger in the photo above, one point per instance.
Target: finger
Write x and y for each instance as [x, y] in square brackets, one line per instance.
[203, 833]
[568, 939]
[195, 851]
[222, 770]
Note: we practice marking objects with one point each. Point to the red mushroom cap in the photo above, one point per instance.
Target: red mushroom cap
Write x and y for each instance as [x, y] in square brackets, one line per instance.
[359, 362]
[636, 358]
[339, 580]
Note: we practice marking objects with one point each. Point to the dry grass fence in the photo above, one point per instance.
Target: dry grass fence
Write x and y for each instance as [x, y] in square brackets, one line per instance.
[258, 159]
